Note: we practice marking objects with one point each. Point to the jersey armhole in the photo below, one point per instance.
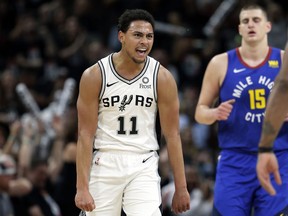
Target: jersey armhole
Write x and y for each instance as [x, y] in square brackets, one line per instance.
[155, 78]
[103, 75]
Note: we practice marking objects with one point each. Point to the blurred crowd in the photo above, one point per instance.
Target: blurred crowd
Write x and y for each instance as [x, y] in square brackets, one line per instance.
[45, 47]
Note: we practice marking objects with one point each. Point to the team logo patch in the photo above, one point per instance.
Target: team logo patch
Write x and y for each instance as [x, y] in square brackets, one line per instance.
[236, 70]
[144, 84]
[273, 63]
[110, 84]
[145, 80]
[124, 102]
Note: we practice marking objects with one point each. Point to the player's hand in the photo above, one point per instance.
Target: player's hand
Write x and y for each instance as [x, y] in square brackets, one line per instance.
[222, 112]
[84, 201]
[181, 201]
[267, 164]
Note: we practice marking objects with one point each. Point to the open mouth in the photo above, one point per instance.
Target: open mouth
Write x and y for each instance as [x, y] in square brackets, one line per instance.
[251, 33]
[141, 52]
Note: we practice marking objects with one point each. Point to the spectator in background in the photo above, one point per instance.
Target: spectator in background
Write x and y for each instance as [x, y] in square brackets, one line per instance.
[11, 144]
[40, 200]
[276, 36]
[199, 194]
[10, 185]
[71, 41]
[9, 103]
[65, 189]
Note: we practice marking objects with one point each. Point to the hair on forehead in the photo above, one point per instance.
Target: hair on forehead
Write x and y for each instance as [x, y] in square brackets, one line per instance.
[131, 15]
[254, 6]
[251, 6]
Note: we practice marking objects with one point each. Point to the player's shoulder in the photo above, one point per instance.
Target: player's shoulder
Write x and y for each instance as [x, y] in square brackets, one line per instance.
[282, 53]
[92, 70]
[91, 75]
[278, 50]
[91, 81]
[164, 74]
[218, 60]
[162, 71]
[95, 69]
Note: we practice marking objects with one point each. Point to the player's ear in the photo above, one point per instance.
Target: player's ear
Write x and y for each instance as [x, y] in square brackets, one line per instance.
[268, 26]
[121, 36]
[239, 30]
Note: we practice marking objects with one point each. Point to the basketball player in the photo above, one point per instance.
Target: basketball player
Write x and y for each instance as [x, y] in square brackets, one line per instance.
[117, 105]
[242, 78]
[276, 111]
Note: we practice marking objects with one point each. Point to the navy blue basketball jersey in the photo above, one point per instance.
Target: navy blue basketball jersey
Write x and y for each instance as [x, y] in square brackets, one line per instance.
[250, 87]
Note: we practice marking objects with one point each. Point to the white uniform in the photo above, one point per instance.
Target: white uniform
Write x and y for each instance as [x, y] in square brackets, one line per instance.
[127, 109]
[124, 171]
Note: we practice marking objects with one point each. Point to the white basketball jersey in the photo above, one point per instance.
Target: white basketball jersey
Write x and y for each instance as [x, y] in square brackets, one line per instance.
[127, 109]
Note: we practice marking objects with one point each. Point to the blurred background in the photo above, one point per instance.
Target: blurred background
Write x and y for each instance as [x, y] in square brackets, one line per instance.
[45, 45]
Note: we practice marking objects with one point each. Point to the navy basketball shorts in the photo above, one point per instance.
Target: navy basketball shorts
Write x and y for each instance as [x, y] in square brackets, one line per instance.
[238, 191]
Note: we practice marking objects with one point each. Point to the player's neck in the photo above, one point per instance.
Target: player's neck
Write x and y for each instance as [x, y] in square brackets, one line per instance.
[126, 67]
[254, 54]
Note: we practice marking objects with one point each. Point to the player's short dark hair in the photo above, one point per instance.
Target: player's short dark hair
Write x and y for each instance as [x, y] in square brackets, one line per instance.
[253, 6]
[131, 15]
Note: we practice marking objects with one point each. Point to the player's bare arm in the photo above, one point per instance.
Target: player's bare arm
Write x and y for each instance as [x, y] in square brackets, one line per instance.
[168, 104]
[213, 78]
[277, 106]
[87, 105]
[276, 111]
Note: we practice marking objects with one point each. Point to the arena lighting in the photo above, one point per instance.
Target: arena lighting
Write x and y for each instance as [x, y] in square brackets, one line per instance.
[221, 13]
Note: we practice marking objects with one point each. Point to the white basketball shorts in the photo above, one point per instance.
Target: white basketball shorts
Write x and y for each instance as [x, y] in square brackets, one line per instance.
[125, 180]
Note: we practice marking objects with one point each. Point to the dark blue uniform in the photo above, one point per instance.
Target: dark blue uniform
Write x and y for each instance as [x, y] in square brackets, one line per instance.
[237, 189]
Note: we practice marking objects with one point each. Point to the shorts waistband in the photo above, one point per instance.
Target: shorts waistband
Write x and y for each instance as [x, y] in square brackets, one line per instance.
[113, 151]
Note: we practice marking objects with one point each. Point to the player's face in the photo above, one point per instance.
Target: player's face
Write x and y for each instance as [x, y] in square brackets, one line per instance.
[253, 25]
[137, 42]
